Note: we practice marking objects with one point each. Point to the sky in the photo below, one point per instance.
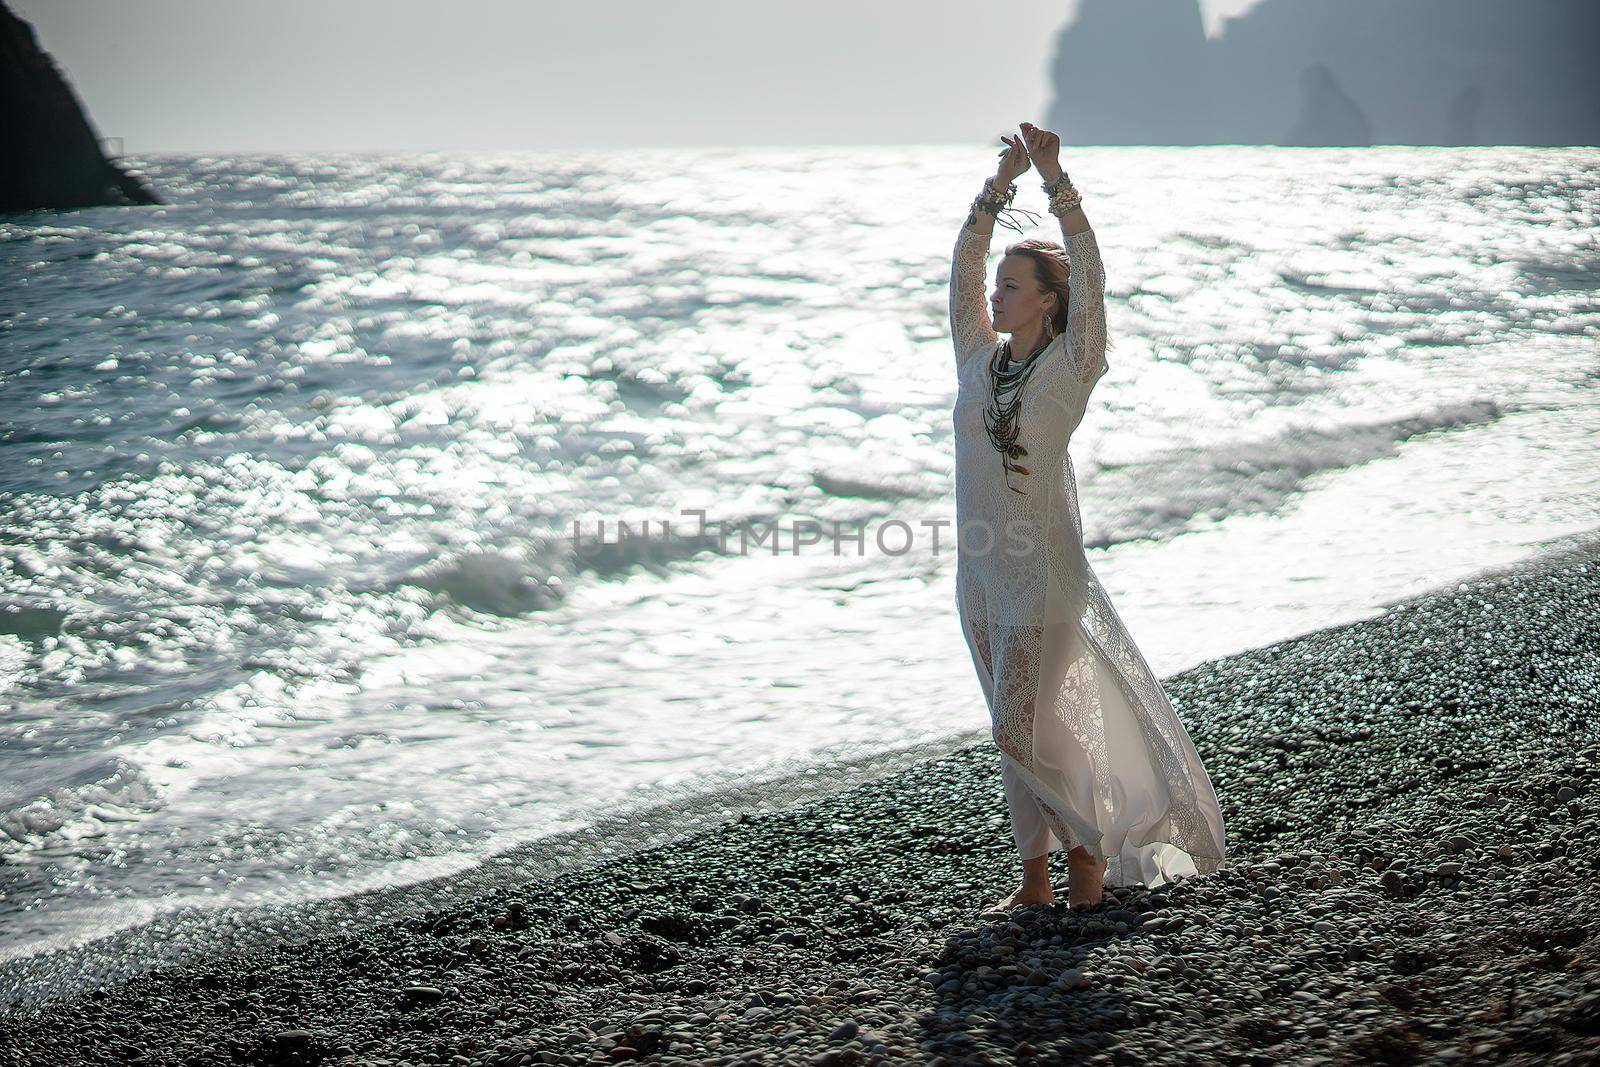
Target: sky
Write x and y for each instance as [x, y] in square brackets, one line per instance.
[374, 75]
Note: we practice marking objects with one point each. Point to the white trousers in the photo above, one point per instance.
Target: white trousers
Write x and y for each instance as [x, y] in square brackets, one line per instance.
[1032, 834]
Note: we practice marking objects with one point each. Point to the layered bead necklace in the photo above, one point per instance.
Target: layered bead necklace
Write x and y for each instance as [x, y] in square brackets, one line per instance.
[1007, 382]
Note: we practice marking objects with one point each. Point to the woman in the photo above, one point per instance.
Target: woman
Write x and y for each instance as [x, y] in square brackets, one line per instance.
[1093, 757]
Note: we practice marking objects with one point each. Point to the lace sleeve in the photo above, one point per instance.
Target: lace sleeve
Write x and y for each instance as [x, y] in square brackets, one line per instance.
[1086, 305]
[970, 328]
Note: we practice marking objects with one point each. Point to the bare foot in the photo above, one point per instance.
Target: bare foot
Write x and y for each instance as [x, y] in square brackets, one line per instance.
[1024, 896]
[1036, 888]
[1083, 880]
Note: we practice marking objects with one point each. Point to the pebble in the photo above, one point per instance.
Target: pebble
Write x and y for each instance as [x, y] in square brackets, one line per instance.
[843, 1032]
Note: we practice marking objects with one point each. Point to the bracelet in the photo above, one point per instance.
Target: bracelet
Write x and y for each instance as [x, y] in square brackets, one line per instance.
[993, 200]
[998, 204]
[1063, 197]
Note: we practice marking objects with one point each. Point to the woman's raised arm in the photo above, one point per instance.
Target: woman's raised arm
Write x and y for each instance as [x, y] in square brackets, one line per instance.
[970, 326]
[1086, 304]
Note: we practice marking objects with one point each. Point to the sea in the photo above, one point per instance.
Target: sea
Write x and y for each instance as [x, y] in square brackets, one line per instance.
[382, 521]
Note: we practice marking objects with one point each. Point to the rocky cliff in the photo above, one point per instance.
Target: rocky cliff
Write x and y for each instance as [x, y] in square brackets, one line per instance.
[1427, 72]
[52, 156]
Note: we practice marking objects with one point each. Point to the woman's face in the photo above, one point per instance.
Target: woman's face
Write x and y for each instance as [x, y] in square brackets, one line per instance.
[1019, 300]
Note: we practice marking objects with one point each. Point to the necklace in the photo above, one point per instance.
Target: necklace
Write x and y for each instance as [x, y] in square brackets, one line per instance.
[1007, 380]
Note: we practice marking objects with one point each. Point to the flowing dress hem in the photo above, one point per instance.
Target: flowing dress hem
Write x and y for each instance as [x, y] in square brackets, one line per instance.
[1150, 861]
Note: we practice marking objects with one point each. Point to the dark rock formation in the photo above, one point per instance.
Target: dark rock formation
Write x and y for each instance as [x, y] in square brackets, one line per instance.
[1328, 116]
[53, 158]
[1425, 71]
[1118, 47]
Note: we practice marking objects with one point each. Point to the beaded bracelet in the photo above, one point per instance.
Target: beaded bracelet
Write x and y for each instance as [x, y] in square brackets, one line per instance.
[998, 204]
[1063, 197]
[993, 200]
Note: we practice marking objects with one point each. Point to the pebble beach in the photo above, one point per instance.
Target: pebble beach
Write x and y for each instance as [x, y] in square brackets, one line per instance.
[1414, 847]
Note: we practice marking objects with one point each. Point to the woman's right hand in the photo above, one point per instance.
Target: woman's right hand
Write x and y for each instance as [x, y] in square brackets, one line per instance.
[1013, 160]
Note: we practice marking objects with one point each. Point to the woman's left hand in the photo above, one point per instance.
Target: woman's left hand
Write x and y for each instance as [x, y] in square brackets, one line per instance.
[1044, 149]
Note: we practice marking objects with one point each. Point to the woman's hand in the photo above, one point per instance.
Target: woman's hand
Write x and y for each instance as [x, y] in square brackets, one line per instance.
[1044, 149]
[1013, 161]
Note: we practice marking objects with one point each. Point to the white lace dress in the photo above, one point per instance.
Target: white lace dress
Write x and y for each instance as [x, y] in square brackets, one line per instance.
[1080, 720]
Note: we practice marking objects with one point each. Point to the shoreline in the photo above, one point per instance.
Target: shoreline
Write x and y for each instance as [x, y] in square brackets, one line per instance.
[198, 933]
[1413, 848]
